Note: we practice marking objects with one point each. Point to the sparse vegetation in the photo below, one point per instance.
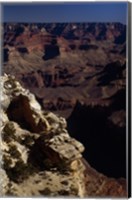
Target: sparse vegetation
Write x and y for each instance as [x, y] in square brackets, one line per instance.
[74, 190]
[64, 182]
[14, 152]
[8, 132]
[20, 171]
[45, 192]
[64, 193]
[28, 141]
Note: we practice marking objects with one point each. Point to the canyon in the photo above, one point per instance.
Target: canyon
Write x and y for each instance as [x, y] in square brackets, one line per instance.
[77, 71]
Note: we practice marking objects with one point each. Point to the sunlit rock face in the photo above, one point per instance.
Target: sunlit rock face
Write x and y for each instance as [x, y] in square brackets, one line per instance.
[39, 158]
[35, 144]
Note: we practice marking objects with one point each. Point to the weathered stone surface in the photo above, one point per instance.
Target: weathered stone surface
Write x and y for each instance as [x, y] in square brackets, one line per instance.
[36, 141]
[39, 158]
[4, 181]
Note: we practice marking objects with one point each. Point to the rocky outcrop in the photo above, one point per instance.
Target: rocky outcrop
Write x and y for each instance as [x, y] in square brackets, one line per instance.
[36, 145]
[39, 158]
[78, 71]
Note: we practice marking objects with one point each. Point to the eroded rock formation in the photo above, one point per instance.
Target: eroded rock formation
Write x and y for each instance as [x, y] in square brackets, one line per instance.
[35, 146]
[39, 158]
[86, 60]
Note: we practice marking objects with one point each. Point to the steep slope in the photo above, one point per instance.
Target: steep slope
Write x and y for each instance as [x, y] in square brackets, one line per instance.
[39, 156]
[78, 71]
[36, 145]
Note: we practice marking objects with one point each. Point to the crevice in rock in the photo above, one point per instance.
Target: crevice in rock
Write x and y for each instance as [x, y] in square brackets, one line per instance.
[20, 112]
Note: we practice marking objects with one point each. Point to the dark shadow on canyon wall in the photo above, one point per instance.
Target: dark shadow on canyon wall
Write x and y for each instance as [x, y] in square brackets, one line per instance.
[6, 55]
[104, 141]
[51, 51]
